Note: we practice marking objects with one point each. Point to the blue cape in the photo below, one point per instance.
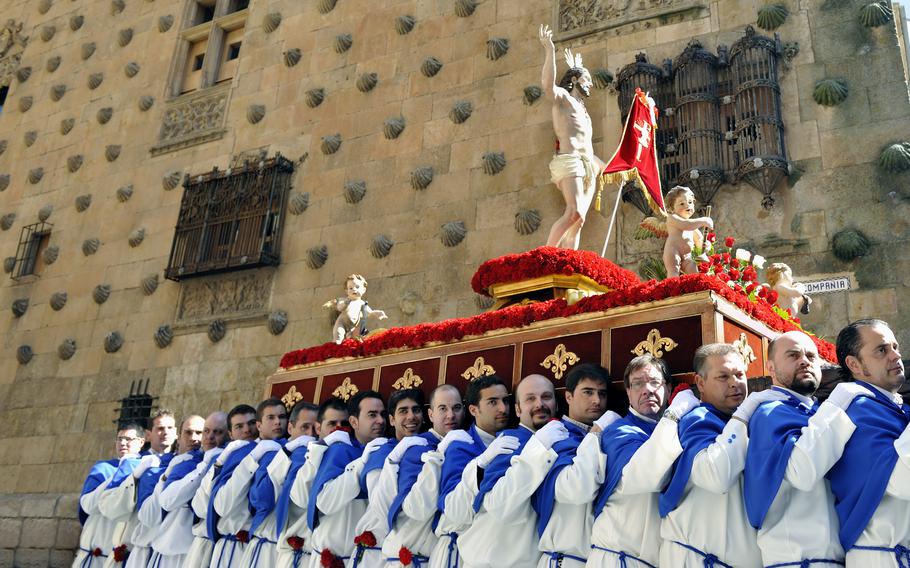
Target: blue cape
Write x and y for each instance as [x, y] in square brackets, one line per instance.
[335, 459]
[697, 431]
[619, 442]
[860, 477]
[221, 478]
[124, 470]
[146, 483]
[375, 461]
[773, 431]
[457, 456]
[500, 464]
[544, 499]
[100, 471]
[184, 468]
[298, 458]
[262, 490]
[408, 470]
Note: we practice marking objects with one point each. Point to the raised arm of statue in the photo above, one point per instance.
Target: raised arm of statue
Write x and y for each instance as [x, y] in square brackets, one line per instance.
[548, 75]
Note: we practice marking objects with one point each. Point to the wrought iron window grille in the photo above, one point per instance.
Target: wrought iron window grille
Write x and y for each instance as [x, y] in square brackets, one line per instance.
[232, 219]
[137, 406]
[32, 241]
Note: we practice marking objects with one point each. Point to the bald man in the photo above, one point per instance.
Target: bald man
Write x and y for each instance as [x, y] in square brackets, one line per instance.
[504, 531]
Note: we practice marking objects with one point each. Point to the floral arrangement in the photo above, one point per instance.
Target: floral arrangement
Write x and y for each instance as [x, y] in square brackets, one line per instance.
[327, 559]
[546, 261]
[366, 539]
[405, 556]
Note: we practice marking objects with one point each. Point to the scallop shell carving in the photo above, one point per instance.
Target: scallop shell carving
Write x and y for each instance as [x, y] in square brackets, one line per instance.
[149, 284]
[367, 81]
[67, 349]
[165, 23]
[895, 158]
[44, 6]
[76, 22]
[87, 50]
[9, 263]
[45, 212]
[30, 137]
[58, 300]
[25, 103]
[461, 111]
[430, 66]
[772, 16]
[483, 302]
[124, 193]
[163, 336]
[52, 63]
[104, 114]
[271, 22]
[35, 175]
[23, 73]
[171, 180]
[326, 6]
[381, 246]
[66, 125]
[47, 33]
[95, 80]
[493, 163]
[830, 92]
[83, 202]
[453, 233]
[112, 152]
[354, 191]
[292, 57]
[7, 221]
[217, 330]
[850, 244]
[314, 97]
[113, 341]
[875, 14]
[131, 69]
[602, 78]
[298, 203]
[19, 307]
[527, 221]
[73, 163]
[24, 354]
[331, 143]
[136, 237]
[393, 127]
[343, 42]
[51, 254]
[101, 293]
[255, 113]
[531, 94]
[2, 147]
[4, 183]
[90, 246]
[316, 256]
[146, 102]
[125, 36]
[422, 177]
[117, 6]
[278, 320]
[464, 8]
[57, 92]
[497, 47]
[404, 24]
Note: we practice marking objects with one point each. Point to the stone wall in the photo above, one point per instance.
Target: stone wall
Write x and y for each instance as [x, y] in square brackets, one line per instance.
[58, 414]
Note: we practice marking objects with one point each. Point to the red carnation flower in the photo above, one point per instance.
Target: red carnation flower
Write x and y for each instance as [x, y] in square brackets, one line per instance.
[347, 429]
[405, 556]
[243, 536]
[96, 552]
[120, 553]
[327, 559]
[711, 237]
[703, 267]
[295, 542]
[772, 296]
[751, 286]
[366, 538]
[734, 274]
[762, 292]
[723, 276]
[729, 241]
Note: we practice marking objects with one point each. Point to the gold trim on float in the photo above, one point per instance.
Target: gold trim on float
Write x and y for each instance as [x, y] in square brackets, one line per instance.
[559, 361]
[576, 281]
[477, 370]
[292, 397]
[744, 349]
[655, 344]
[345, 390]
[408, 380]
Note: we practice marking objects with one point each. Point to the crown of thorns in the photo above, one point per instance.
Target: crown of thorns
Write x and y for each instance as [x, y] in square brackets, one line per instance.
[573, 60]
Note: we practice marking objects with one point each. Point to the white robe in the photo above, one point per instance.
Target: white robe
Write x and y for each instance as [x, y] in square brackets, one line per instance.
[630, 521]
[231, 503]
[299, 498]
[340, 508]
[382, 486]
[414, 525]
[170, 547]
[97, 531]
[200, 553]
[119, 506]
[504, 531]
[711, 516]
[262, 551]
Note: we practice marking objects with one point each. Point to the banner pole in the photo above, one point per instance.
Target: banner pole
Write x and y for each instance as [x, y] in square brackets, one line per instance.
[603, 253]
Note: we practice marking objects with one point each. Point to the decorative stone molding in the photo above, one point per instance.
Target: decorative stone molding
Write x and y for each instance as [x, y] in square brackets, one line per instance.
[316, 256]
[193, 119]
[30, 137]
[103, 116]
[163, 336]
[830, 92]
[165, 23]
[45, 212]
[314, 97]
[381, 246]
[326, 6]
[271, 22]
[772, 16]
[453, 233]
[66, 125]
[331, 144]
[278, 321]
[171, 180]
[12, 44]
[131, 69]
[52, 63]
[497, 47]
[430, 67]
[393, 127]
[83, 202]
[216, 331]
[24, 354]
[298, 203]
[367, 81]
[87, 50]
[292, 57]
[255, 113]
[101, 293]
[113, 341]
[76, 22]
[234, 297]
[404, 24]
[124, 193]
[58, 300]
[146, 102]
[422, 177]
[461, 111]
[464, 8]
[149, 284]
[91, 246]
[493, 162]
[354, 191]
[575, 18]
[51, 254]
[19, 307]
[527, 221]
[124, 37]
[343, 42]
[112, 152]
[67, 349]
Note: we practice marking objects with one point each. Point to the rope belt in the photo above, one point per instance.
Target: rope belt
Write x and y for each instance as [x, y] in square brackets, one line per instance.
[807, 562]
[623, 557]
[298, 556]
[257, 549]
[232, 539]
[556, 559]
[710, 561]
[89, 556]
[453, 558]
[901, 553]
[359, 552]
[417, 561]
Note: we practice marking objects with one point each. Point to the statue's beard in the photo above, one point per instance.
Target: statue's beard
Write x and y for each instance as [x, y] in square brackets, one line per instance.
[585, 90]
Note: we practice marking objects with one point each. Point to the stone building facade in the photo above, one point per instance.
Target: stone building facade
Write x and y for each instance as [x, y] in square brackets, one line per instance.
[110, 107]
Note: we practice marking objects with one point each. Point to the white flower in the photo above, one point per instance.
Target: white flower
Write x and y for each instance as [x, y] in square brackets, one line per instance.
[743, 255]
[759, 261]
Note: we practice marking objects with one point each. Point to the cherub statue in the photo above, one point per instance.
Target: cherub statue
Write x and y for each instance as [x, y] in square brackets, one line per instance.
[790, 295]
[353, 310]
[683, 233]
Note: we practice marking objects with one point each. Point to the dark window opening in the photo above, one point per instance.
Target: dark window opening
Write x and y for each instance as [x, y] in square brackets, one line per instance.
[233, 51]
[198, 61]
[3, 92]
[237, 5]
[32, 241]
[204, 13]
[137, 407]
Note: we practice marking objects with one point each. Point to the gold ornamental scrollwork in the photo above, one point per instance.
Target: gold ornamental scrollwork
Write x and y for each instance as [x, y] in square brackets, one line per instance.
[477, 370]
[292, 397]
[744, 349]
[408, 380]
[345, 390]
[559, 361]
[655, 345]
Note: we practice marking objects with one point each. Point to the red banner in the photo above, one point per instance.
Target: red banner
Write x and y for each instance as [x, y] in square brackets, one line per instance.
[636, 157]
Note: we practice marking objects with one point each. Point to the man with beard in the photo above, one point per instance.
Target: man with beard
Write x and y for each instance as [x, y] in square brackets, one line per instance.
[640, 450]
[504, 531]
[704, 520]
[871, 482]
[574, 169]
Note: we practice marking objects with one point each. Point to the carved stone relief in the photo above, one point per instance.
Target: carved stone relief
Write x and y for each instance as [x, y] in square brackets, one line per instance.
[233, 296]
[193, 119]
[12, 44]
[575, 18]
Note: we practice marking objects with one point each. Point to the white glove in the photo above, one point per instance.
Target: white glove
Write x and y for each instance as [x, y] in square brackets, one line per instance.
[500, 445]
[338, 436]
[844, 393]
[211, 455]
[454, 436]
[374, 445]
[264, 447]
[683, 403]
[231, 448]
[752, 402]
[554, 431]
[128, 457]
[178, 460]
[145, 463]
[401, 447]
[297, 442]
[609, 417]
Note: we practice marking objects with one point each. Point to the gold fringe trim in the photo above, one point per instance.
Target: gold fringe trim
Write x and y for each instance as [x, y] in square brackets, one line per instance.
[633, 175]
